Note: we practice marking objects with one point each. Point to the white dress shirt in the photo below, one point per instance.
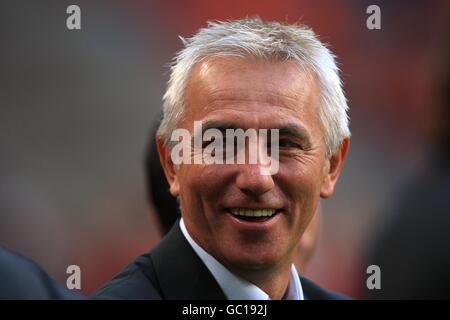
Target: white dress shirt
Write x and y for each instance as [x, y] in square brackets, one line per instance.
[234, 287]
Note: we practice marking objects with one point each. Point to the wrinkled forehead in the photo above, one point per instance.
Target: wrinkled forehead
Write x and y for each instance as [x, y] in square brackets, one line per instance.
[238, 71]
[226, 80]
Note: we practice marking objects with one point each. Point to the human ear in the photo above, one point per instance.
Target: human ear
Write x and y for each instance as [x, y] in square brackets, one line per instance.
[170, 169]
[333, 168]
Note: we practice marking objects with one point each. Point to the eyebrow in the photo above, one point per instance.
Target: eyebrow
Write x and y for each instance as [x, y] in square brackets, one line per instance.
[218, 124]
[294, 130]
[297, 132]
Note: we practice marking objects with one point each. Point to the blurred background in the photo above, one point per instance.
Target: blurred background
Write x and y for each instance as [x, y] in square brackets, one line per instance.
[77, 109]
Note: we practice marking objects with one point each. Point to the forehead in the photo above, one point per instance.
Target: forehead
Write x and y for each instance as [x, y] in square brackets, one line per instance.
[234, 84]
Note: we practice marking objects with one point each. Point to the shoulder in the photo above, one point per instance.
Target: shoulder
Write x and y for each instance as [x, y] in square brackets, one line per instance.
[136, 282]
[170, 271]
[22, 278]
[314, 292]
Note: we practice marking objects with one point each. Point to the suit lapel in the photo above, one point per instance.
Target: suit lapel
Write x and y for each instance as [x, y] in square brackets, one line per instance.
[180, 272]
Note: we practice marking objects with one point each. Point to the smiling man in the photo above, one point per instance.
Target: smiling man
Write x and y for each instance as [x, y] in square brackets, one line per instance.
[240, 228]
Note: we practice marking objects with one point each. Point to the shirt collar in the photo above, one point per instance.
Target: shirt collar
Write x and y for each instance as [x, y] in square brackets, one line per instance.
[235, 287]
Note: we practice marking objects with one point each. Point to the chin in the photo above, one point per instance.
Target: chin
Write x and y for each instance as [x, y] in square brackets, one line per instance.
[253, 259]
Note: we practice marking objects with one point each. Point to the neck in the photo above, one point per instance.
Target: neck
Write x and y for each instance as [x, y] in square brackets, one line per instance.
[273, 281]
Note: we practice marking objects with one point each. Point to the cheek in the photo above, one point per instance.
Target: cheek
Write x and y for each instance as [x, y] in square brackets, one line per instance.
[300, 177]
[301, 185]
[203, 183]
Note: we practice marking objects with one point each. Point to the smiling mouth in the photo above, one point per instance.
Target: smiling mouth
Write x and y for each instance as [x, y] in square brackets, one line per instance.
[253, 215]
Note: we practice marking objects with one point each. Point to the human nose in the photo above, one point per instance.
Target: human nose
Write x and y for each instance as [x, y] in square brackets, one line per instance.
[251, 182]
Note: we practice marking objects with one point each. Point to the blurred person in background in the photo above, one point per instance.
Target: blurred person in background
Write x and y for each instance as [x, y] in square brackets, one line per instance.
[245, 74]
[23, 279]
[157, 187]
[413, 251]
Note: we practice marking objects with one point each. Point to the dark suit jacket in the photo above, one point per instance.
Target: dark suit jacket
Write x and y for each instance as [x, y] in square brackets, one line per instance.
[21, 278]
[173, 271]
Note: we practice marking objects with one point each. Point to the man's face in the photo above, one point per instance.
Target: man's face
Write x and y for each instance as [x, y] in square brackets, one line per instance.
[241, 93]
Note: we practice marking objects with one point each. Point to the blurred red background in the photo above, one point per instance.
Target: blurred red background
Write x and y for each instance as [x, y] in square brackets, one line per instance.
[76, 110]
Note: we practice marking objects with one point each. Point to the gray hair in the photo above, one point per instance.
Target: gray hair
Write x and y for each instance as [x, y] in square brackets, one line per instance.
[251, 37]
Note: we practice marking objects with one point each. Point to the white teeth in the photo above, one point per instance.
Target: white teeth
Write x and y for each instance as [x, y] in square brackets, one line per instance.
[253, 213]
